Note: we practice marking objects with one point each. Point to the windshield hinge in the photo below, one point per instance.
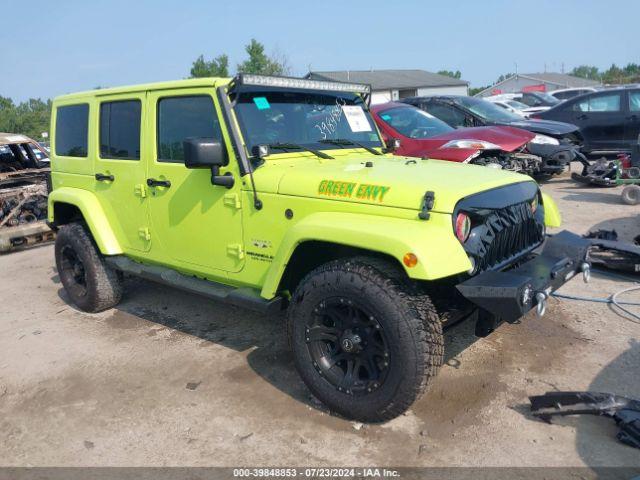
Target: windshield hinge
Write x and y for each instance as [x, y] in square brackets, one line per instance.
[427, 205]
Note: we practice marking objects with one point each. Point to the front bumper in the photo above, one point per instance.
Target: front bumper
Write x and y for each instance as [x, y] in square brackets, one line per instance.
[554, 157]
[509, 294]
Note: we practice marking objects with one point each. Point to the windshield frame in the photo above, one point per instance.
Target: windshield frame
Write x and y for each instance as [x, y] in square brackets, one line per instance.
[249, 149]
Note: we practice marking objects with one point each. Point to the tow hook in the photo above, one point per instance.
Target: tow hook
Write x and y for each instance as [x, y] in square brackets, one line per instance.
[541, 308]
[586, 272]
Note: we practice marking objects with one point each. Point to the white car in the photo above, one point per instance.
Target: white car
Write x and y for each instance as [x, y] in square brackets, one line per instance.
[514, 106]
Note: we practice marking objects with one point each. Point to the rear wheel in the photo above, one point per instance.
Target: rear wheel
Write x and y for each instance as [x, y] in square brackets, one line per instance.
[90, 283]
[365, 343]
[631, 194]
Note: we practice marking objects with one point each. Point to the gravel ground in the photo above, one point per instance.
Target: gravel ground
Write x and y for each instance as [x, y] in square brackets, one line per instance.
[168, 378]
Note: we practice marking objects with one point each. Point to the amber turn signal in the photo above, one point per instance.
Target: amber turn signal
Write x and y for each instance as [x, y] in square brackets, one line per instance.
[410, 260]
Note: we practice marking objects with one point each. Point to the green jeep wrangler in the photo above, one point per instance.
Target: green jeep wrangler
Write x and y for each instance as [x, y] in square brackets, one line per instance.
[274, 192]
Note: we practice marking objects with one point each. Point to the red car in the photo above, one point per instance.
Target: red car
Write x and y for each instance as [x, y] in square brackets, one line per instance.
[423, 135]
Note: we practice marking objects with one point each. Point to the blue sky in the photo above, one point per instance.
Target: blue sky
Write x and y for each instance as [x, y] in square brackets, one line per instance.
[50, 48]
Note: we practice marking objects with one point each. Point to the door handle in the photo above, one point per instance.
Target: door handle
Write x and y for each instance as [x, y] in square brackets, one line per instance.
[101, 177]
[582, 117]
[152, 182]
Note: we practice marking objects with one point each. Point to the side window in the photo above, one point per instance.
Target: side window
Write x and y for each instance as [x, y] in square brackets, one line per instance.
[634, 101]
[72, 127]
[531, 100]
[599, 103]
[447, 114]
[120, 129]
[180, 118]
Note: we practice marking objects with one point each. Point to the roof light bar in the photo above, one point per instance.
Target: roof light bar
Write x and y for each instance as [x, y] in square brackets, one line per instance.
[290, 82]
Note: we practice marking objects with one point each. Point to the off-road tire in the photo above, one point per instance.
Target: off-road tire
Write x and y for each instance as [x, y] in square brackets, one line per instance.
[631, 194]
[102, 287]
[407, 317]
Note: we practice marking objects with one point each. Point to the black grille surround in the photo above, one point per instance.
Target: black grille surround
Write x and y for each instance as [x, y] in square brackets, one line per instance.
[504, 228]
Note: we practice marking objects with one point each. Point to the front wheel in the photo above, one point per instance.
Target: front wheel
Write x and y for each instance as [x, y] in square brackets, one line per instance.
[90, 283]
[364, 342]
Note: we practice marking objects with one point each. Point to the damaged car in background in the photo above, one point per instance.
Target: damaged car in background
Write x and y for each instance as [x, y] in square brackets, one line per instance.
[562, 140]
[24, 178]
[415, 133]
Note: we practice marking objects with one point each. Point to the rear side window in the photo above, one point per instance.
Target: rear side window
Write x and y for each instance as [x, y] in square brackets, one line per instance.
[564, 95]
[120, 130]
[599, 103]
[634, 101]
[180, 118]
[447, 114]
[72, 124]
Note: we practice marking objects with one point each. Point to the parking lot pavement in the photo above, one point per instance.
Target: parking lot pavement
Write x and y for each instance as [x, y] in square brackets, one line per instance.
[169, 378]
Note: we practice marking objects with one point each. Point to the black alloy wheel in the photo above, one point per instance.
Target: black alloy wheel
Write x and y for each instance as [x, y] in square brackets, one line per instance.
[348, 346]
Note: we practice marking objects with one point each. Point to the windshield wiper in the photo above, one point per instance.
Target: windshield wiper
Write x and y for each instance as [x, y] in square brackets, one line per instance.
[344, 142]
[294, 146]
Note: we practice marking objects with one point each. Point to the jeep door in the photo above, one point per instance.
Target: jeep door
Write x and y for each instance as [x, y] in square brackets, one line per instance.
[193, 224]
[119, 166]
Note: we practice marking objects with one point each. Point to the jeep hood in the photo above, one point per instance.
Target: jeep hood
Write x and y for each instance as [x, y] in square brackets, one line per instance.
[391, 181]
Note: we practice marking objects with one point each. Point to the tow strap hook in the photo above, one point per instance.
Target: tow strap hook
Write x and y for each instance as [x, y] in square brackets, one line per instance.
[586, 271]
[541, 308]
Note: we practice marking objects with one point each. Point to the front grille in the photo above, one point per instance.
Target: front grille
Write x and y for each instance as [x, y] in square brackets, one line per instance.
[503, 235]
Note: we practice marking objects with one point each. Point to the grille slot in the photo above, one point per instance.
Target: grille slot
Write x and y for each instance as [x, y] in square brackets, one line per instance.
[504, 235]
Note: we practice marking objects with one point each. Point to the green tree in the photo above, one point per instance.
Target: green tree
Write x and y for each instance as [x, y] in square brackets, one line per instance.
[586, 71]
[29, 118]
[217, 67]
[449, 73]
[7, 115]
[260, 62]
[475, 90]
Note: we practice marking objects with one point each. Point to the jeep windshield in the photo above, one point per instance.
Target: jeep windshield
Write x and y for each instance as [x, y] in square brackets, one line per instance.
[307, 118]
[487, 110]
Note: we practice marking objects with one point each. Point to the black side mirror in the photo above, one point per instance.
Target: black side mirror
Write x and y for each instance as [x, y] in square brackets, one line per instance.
[208, 153]
[204, 153]
[392, 144]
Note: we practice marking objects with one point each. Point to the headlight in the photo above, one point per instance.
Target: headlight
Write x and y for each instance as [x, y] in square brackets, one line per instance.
[463, 227]
[534, 204]
[477, 144]
[544, 140]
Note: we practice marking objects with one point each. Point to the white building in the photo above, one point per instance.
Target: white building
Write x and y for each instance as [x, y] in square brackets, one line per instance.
[390, 85]
[536, 82]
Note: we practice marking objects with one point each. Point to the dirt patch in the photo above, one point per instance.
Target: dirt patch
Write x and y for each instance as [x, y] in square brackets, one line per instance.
[478, 376]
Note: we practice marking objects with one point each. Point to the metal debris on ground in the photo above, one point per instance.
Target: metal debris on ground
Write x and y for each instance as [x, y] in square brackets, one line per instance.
[625, 411]
[608, 252]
